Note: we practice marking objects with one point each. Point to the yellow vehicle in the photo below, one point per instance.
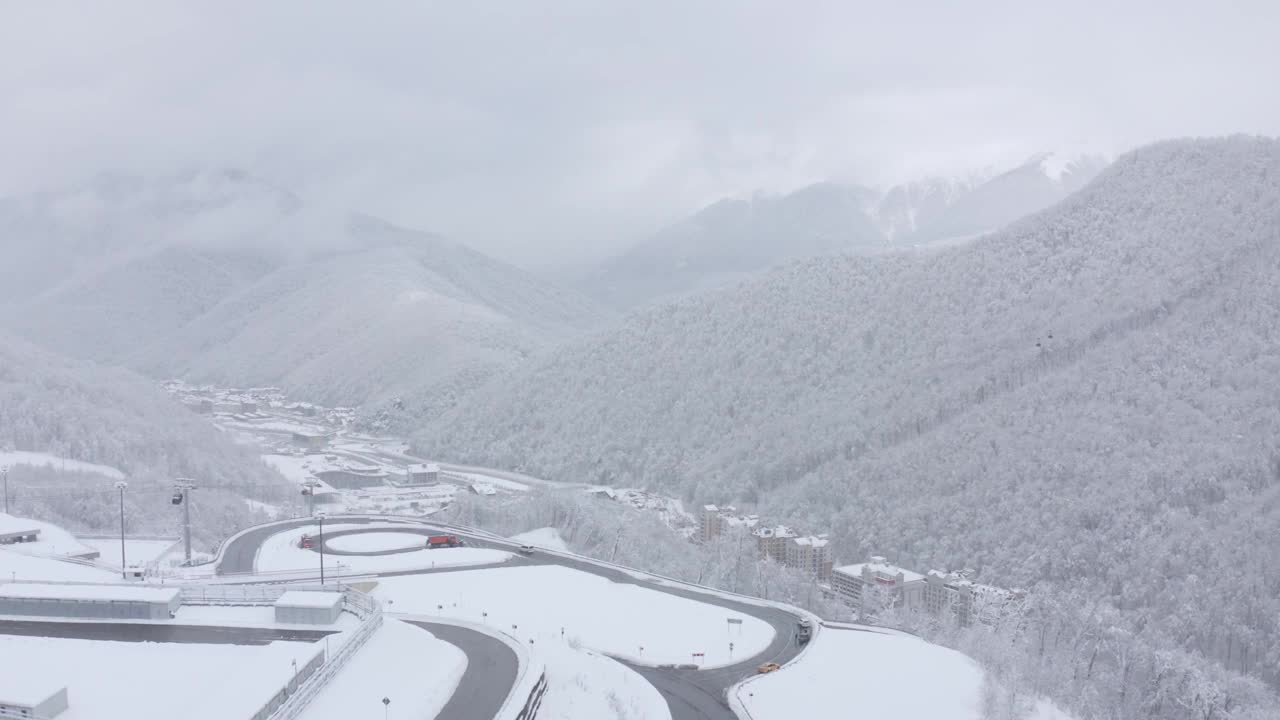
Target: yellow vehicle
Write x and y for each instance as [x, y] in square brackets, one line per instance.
[768, 668]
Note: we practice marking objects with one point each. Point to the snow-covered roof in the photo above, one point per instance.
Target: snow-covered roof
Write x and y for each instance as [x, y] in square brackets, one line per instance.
[814, 540]
[135, 593]
[424, 468]
[711, 508]
[780, 531]
[882, 569]
[10, 524]
[309, 599]
[28, 690]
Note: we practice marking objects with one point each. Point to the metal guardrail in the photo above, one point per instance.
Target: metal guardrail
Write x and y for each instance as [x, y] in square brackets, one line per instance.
[311, 687]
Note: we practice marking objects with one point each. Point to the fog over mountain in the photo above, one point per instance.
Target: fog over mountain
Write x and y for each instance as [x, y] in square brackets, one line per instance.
[217, 276]
[1084, 398]
[736, 238]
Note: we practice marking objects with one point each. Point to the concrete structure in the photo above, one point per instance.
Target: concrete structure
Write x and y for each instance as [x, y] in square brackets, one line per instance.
[710, 524]
[868, 586]
[424, 474]
[137, 602]
[310, 440]
[249, 406]
[308, 607]
[771, 542]
[17, 530]
[968, 601]
[25, 700]
[204, 406]
[810, 555]
[352, 478]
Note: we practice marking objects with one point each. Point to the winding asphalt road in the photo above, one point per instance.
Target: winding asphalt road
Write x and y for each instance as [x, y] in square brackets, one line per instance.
[488, 679]
[690, 694]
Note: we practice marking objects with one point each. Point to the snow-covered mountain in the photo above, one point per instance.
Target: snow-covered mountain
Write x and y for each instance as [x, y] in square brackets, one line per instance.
[218, 276]
[89, 416]
[737, 238]
[1086, 398]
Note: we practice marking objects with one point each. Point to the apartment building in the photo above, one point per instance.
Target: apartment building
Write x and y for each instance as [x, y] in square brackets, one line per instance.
[864, 585]
[771, 542]
[710, 523]
[810, 555]
[967, 600]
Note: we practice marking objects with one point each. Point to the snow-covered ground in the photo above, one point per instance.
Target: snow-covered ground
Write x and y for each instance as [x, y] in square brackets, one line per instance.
[404, 663]
[52, 541]
[151, 681]
[584, 684]
[137, 552]
[281, 552]
[494, 480]
[851, 673]
[609, 617]
[547, 537]
[378, 542]
[39, 459]
[17, 566]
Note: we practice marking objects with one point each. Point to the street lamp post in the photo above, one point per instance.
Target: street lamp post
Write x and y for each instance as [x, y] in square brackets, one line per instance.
[121, 485]
[320, 517]
[4, 470]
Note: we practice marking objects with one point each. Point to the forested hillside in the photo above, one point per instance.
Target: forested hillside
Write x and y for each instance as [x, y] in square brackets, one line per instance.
[1085, 399]
[216, 276]
[737, 238]
[74, 410]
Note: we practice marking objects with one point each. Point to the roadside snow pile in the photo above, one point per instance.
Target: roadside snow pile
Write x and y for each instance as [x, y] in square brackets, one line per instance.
[39, 459]
[378, 542]
[542, 601]
[547, 537]
[151, 681]
[280, 552]
[52, 540]
[584, 684]
[407, 664]
[879, 675]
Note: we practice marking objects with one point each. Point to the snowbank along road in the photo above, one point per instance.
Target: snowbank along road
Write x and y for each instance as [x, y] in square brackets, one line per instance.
[690, 694]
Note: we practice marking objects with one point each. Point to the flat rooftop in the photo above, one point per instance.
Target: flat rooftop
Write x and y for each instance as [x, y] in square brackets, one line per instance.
[135, 593]
[309, 599]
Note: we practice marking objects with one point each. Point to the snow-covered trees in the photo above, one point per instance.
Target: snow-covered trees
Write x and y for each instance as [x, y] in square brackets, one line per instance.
[1087, 398]
[79, 411]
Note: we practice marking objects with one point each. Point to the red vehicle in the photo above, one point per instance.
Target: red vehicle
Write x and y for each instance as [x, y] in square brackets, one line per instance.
[443, 541]
[306, 542]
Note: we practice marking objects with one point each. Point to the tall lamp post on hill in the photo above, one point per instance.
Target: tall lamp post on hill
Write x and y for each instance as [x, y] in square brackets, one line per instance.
[320, 516]
[121, 485]
[4, 470]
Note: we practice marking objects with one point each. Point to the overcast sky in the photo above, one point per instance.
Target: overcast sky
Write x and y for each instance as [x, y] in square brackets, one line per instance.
[538, 130]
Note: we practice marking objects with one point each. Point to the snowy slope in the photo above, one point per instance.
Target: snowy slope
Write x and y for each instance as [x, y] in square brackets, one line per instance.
[217, 276]
[1017, 404]
[849, 673]
[558, 604]
[116, 423]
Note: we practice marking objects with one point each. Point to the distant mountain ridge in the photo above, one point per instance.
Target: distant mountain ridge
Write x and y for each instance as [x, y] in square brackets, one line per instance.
[217, 276]
[737, 238]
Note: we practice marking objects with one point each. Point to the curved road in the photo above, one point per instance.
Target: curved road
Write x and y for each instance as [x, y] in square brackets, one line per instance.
[489, 677]
[690, 694]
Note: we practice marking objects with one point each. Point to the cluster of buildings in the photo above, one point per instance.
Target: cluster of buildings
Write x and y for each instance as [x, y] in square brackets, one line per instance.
[867, 587]
[876, 585]
[809, 554]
